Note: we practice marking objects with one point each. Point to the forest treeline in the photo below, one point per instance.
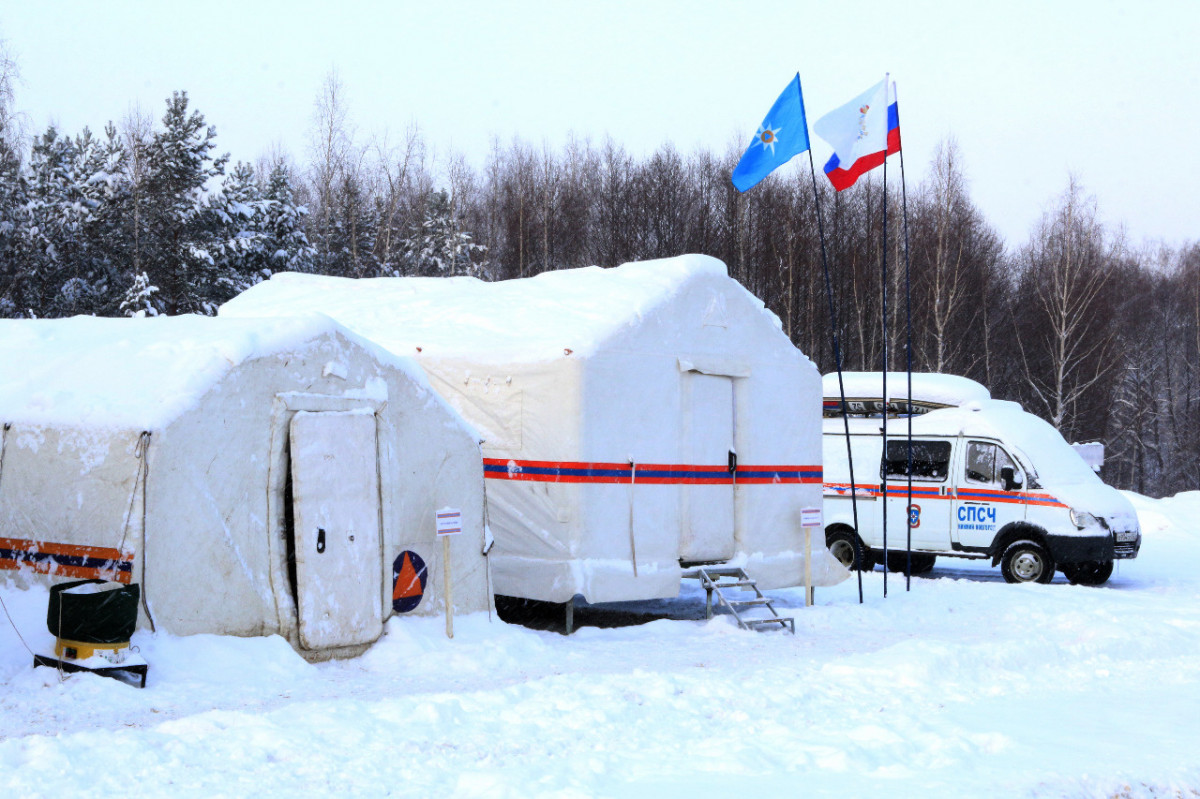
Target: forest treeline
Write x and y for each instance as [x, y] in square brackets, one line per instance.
[1096, 335]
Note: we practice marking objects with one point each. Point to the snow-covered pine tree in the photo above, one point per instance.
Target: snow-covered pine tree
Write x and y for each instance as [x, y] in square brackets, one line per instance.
[246, 253]
[180, 233]
[58, 211]
[439, 247]
[357, 223]
[349, 247]
[14, 229]
[138, 298]
[287, 243]
[105, 186]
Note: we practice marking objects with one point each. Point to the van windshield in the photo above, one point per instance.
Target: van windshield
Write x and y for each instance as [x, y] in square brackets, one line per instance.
[1053, 459]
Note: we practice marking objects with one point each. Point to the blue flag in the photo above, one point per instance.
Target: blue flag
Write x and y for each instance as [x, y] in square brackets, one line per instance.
[782, 135]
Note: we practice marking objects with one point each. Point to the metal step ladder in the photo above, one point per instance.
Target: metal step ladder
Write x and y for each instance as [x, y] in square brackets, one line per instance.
[732, 586]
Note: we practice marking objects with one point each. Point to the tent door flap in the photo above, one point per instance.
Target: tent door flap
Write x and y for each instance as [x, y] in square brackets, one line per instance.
[335, 514]
[708, 533]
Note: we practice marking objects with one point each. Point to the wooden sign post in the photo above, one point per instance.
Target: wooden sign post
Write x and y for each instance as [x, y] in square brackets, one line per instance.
[810, 519]
[449, 522]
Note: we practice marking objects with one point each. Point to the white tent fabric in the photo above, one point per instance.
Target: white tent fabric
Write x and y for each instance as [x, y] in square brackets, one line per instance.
[160, 451]
[610, 401]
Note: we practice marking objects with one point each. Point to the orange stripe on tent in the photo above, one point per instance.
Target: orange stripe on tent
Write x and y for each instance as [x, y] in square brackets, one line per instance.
[75, 550]
[63, 570]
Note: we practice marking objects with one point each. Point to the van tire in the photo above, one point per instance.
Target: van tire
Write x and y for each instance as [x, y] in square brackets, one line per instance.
[845, 546]
[921, 563]
[1026, 562]
[1091, 573]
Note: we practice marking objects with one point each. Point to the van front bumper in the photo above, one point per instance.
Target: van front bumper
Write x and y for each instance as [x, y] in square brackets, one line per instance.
[1128, 545]
[1070, 549]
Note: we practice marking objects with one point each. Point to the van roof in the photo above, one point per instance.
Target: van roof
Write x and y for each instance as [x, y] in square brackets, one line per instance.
[929, 389]
[1037, 443]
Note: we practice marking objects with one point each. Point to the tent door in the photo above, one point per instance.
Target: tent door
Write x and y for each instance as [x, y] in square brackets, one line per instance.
[708, 533]
[335, 515]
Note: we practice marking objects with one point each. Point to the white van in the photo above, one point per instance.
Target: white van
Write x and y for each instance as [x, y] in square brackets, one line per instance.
[988, 481]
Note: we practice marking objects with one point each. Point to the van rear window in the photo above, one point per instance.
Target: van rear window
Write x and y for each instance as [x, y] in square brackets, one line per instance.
[930, 460]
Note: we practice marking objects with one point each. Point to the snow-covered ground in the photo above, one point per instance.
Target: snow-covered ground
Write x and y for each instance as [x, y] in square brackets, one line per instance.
[963, 686]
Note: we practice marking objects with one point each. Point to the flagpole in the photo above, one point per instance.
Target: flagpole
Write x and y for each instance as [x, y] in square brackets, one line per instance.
[837, 354]
[745, 179]
[883, 275]
[837, 359]
[907, 342]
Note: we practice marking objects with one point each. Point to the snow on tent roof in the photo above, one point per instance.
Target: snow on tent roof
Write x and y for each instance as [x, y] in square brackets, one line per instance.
[121, 373]
[940, 389]
[529, 319]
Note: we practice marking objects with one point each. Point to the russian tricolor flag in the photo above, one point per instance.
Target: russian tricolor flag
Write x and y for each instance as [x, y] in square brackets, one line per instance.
[863, 133]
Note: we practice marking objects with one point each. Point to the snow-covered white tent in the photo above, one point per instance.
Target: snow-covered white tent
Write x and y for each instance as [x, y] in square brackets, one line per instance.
[633, 418]
[254, 476]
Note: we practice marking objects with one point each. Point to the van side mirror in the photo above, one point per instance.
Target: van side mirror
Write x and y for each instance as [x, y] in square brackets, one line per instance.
[1008, 476]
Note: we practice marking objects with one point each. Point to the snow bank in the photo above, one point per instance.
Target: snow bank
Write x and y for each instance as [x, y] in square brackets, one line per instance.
[1174, 521]
[963, 686]
[511, 321]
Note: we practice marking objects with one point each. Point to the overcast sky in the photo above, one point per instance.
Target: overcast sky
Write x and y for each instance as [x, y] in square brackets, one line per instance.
[1032, 91]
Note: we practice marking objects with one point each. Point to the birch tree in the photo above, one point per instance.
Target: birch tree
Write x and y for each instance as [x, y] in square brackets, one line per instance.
[1067, 340]
[331, 151]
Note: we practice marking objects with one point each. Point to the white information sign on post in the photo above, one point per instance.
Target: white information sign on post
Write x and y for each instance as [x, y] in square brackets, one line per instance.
[449, 522]
[809, 518]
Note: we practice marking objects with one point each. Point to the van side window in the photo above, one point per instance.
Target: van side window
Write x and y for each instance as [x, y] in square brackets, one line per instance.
[984, 462]
[930, 460]
[1002, 460]
[981, 462]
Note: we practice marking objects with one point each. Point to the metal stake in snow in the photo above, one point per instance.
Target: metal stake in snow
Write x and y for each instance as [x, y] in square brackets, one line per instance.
[449, 522]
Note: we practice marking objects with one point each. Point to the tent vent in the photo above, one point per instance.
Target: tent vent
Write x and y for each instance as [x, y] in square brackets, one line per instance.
[733, 586]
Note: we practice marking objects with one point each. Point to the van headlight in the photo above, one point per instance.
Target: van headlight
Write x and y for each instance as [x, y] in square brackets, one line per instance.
[1083, 519]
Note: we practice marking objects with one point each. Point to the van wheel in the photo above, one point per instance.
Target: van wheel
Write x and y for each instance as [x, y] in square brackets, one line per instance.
[921, 564]
[844, 546]
[1092, 573]
[1026, 562]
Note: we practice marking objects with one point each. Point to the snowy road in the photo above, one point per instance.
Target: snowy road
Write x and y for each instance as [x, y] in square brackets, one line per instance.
[964, 686]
